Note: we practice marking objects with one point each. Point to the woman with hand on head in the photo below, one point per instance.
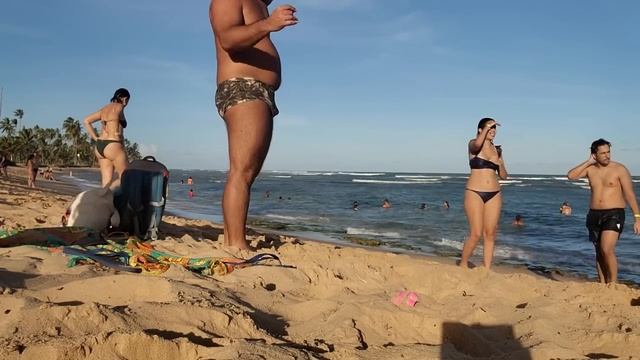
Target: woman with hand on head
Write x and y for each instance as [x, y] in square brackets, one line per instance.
[110, 149]
[482, 197]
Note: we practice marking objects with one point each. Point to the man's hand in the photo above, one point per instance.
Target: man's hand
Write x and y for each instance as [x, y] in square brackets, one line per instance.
[636, 227]
[592, 159]
[281, 17]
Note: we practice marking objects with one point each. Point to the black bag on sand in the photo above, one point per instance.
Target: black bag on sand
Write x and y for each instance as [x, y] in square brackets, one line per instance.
[142, 197]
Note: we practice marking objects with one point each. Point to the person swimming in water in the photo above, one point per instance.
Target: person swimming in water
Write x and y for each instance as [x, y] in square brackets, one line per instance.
[518, 221]
[386, 204]
[482, 197]
[110, 149]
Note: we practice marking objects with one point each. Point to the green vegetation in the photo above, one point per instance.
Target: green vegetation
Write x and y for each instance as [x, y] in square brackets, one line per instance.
[69, 147]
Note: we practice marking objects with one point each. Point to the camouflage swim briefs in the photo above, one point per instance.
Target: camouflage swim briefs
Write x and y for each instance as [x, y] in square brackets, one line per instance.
[238, 90]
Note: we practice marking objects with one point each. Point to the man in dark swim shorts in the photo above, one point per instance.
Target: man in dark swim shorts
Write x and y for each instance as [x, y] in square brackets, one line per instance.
[611, 191]
[604, 220]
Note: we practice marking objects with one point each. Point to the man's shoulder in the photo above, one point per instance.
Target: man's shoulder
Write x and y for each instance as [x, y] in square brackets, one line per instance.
[619, 167]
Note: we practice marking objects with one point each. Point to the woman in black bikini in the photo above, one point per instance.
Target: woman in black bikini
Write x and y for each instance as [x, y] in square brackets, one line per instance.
[482, 197]
[110, 149]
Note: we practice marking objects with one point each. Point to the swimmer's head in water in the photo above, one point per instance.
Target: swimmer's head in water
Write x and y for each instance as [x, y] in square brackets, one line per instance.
[121, 96]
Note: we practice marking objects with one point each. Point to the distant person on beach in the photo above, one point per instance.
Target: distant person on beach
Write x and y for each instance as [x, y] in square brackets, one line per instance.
[482, 197]
[565, 208]
[32, 170]
[386, 204]
[110, 150]
[189, 180]
[423, 206]
[4, 163]
[48, 174]
[445, 204]
[611, 191]
[518, 221]
[355, 206]
[190, 193]
[248, 74]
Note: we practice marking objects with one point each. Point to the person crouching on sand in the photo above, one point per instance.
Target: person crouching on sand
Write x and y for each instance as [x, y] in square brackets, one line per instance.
[482, 197]
[110, 149]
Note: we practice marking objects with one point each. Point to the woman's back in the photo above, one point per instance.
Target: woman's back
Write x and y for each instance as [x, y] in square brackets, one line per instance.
[111, 116]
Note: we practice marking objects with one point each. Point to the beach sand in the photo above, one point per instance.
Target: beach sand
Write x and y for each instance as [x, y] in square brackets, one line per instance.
[334, 302]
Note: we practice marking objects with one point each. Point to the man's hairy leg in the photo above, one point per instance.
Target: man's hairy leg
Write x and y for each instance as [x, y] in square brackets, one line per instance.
[600, 265]
[249, 130]
[608, 242]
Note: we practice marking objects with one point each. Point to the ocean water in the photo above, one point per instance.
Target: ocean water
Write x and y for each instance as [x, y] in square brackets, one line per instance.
[318, 205]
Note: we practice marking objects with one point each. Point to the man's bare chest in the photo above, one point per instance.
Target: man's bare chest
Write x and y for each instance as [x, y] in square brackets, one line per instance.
[604, 179]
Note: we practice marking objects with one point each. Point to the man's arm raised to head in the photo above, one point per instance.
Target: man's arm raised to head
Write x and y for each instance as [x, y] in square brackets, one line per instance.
[581, 170]
[227, 22]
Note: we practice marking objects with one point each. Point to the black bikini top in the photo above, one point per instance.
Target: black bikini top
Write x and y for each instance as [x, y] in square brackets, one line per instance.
[480, 163]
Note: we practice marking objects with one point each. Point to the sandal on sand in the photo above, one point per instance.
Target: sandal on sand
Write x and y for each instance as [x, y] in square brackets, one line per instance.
[397, 300]
[411, 298]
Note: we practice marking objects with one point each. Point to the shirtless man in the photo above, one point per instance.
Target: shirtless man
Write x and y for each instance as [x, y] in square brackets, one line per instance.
[110, 149]
[248, 75]
[611, 190]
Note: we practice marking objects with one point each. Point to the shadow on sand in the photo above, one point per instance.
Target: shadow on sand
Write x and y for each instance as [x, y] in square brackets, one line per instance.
[482, 342]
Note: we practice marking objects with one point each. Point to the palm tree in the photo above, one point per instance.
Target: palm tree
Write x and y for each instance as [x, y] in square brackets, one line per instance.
[73, 133]
[8, 126]
[25, 143]
[19, 113]
[132, 150]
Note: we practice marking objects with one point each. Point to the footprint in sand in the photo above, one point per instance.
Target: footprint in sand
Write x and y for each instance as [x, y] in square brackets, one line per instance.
[41, 219]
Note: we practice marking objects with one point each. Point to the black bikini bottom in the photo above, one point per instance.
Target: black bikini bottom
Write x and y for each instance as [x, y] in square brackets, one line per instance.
[102, 144]
[485, 195]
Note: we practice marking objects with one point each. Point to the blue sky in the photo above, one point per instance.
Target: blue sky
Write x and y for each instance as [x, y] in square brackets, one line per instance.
[368, 85]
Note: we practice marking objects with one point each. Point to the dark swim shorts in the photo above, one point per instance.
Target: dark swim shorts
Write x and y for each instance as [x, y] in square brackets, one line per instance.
[238, 90]
[601, 220]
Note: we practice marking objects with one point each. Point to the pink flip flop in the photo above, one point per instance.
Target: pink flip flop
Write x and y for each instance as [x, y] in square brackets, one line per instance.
[412, 299]
[399, 297]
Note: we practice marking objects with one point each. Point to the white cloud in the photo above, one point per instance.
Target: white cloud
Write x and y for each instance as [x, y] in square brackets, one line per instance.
[148, 149]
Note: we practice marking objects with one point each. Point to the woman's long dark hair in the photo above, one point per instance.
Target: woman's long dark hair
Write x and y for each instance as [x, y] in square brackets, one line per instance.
[483, 122]
[119, 94]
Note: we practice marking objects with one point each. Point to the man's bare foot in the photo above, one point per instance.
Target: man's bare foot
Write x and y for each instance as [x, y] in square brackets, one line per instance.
[242, 253]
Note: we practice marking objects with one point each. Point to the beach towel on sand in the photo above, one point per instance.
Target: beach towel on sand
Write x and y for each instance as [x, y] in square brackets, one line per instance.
[53, 236]
[84, 245]
[143, 256]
